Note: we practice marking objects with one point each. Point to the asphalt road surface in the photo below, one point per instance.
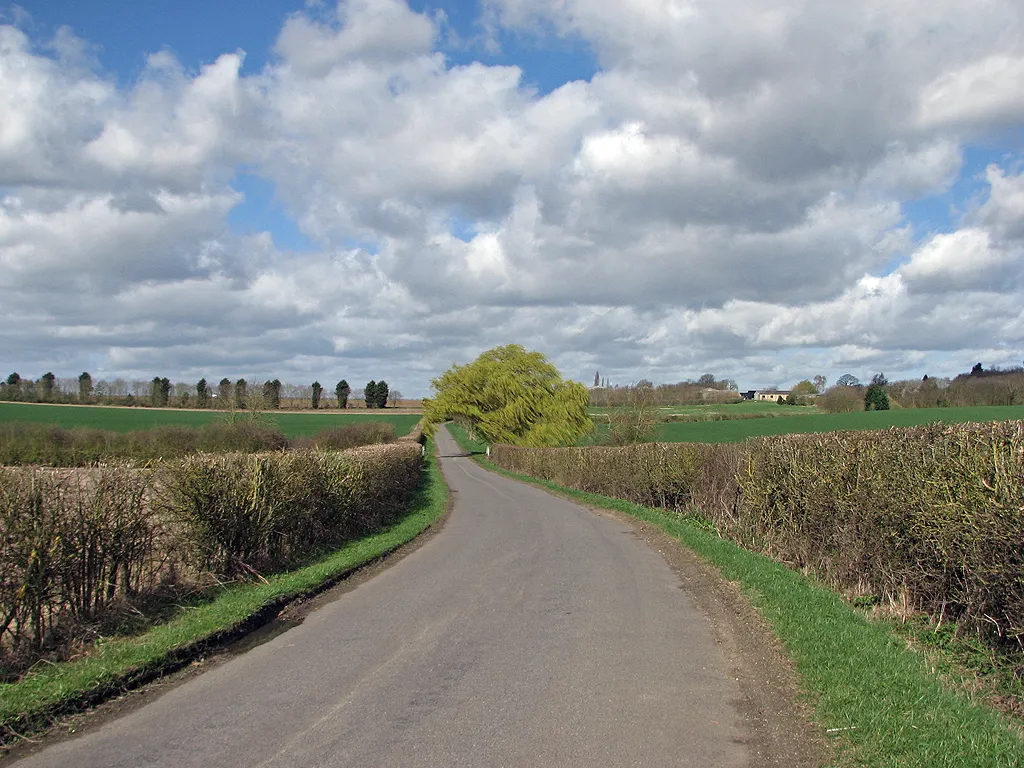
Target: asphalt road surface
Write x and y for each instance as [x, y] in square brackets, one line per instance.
[529, 632]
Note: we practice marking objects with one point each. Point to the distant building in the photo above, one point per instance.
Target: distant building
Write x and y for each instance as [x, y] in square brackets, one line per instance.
[775, 395]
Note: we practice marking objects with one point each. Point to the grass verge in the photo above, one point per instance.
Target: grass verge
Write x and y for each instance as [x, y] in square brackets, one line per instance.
[116, 665]
[867, 689]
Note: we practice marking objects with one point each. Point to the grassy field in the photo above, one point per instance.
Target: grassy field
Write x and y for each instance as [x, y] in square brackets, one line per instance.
[301, 424]
[809, 420]
[741, 409]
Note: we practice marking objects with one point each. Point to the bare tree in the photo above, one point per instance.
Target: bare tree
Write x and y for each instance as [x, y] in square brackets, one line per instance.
[635, 422]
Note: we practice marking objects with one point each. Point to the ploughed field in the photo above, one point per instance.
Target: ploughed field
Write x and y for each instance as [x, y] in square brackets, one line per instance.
[292, 425]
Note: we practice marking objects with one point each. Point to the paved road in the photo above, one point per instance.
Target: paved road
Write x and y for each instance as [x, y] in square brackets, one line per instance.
[530, 632]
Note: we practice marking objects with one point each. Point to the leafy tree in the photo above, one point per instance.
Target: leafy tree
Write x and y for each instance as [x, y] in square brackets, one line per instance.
[875, 398]
[802, 393]
[46, 385]
[847, 380]
[804, 388]
[202, 393]
[84, 387]
[879, 380]
[597, 378]
[272, 394]
[977, 370]
[241, 394]
[12, 388]
[819, 383]
[317, 392]
[370, 394]
[224, 392]
[509, 395]
[160, 392]
[381, 399]
[341, 391]
[706, 380]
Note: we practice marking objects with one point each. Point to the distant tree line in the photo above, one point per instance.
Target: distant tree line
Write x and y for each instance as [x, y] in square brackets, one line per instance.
[706, 389]
[979, 387]
[160, 392]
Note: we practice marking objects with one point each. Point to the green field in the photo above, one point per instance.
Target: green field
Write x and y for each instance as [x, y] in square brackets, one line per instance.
[301, 424]
[743, 409]
[810, 420]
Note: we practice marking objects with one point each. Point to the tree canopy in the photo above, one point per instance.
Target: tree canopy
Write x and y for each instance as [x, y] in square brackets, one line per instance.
[805, 387]
[509, 395]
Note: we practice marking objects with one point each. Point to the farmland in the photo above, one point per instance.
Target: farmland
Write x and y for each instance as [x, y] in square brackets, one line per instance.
[739, 410]
[302, 424]
[736, 424]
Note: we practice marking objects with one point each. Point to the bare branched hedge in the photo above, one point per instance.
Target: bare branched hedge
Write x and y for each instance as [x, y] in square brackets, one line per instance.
[928, 518]
[73, 542]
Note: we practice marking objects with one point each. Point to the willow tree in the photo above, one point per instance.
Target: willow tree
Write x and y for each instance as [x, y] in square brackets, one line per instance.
[509, 395]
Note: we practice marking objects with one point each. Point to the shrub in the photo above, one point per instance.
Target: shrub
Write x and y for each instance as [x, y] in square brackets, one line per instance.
[27, 443]
[841, 399]
[875, 399]
[245, 513]
[76, 543]
[351, 436]
[73, 542]
[925, 518]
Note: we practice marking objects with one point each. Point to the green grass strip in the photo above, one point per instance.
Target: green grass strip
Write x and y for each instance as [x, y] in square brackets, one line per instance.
[805, 420]
[292, 423]
[111, 665]
[858, 675]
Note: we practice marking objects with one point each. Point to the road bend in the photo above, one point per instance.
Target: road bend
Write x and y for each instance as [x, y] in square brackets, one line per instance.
[530, 632]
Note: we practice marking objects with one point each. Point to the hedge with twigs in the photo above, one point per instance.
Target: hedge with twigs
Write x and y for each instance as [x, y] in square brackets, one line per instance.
[76, 544]
[922, 519]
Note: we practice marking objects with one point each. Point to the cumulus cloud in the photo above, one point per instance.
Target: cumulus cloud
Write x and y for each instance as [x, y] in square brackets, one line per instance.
[726, 193]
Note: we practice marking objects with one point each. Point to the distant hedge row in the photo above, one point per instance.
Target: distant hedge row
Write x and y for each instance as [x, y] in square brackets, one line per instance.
[49, 445]
[928, 518]
[77, 544]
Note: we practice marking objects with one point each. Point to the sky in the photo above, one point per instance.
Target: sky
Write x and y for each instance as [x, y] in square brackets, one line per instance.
[766, 190]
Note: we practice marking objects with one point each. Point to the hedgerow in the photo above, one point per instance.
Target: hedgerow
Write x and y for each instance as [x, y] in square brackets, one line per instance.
[924, 519]
[75, 544]
[25, 443]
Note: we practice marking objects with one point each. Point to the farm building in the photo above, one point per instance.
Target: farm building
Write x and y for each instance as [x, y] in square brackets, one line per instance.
[775, 395]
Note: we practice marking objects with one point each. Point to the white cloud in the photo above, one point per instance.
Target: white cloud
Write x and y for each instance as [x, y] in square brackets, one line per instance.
[962, 261]
[984, 91]
[725, 194]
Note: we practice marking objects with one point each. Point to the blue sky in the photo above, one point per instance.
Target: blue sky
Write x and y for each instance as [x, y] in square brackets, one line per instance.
[761, 191]
[122, 33]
